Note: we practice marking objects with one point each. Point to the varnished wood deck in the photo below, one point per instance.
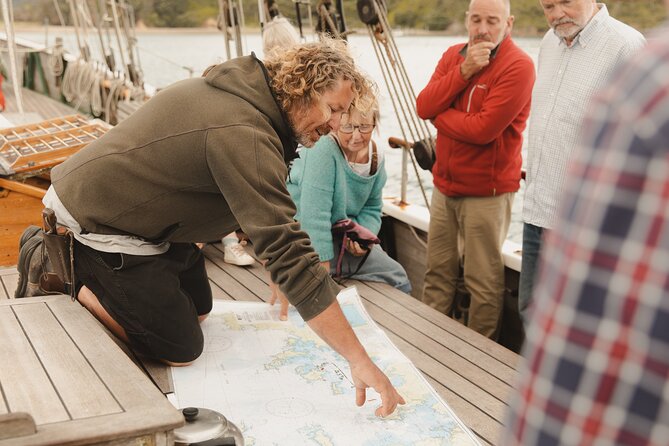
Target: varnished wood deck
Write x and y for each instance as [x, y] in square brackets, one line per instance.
[37, 103]
[18, 211]
[473, 374]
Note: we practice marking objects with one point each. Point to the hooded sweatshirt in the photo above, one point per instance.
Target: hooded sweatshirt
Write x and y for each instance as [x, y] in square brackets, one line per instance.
[202, 158]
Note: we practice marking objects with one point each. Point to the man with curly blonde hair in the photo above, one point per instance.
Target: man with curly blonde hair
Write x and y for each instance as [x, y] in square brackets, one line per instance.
[301, 74]
[202, 158]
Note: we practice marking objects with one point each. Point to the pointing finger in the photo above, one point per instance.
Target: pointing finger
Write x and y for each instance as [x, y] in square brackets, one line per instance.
[283, 315]
[360, 395]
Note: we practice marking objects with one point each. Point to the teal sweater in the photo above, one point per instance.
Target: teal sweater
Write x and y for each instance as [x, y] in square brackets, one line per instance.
[325, 189]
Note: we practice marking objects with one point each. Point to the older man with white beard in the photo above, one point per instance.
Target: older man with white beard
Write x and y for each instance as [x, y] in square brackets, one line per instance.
[577, 55]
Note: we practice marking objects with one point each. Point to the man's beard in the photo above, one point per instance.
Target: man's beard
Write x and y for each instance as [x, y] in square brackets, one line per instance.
[304, 137]
[571, 32]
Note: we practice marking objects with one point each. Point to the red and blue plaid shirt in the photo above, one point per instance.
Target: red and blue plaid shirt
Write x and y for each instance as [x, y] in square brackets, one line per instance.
[597, 356]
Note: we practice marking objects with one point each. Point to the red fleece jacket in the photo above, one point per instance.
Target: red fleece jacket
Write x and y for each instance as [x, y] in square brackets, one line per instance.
[479, 122]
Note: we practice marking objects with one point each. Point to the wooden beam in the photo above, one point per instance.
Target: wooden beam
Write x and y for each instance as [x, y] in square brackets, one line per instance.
[26, 189]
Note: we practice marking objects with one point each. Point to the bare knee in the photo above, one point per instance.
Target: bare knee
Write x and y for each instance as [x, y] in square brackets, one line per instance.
[202, 317]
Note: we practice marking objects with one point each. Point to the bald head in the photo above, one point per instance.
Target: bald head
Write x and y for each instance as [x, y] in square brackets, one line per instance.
[504, 5]
[489, 21]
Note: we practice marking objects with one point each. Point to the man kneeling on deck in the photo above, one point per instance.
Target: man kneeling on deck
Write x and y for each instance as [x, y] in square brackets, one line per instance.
[202, 158]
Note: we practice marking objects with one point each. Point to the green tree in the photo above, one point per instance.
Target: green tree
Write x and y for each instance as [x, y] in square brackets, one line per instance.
[169, 12]
[421, 14]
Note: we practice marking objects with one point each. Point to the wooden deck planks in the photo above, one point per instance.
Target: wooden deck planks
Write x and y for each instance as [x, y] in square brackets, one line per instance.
[472, 338]
[62, 362]
[230, 286]
[8, 283]
[129, 386]
[463, 378]
[445, 340]
[248, 277]
[65, 364]
[26, 392]
[40, 104]
[484, 427]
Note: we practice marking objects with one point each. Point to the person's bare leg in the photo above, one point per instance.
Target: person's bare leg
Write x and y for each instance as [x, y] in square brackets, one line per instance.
[90, 301]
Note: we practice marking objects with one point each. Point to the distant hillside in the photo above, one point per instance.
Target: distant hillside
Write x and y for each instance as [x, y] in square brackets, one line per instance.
[431, 15]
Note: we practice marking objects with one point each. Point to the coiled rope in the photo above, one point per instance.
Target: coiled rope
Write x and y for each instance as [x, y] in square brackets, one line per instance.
[82, 85]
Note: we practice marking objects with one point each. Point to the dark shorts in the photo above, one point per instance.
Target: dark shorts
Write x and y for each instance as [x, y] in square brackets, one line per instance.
[156, 299]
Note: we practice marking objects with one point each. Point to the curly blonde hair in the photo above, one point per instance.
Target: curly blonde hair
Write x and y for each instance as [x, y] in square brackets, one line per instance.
[302, 73]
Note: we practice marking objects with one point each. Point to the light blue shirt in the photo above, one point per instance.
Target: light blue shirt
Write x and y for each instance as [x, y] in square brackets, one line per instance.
[567, 76]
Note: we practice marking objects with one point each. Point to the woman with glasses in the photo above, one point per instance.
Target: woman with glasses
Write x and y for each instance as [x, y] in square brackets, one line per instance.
[342, 177]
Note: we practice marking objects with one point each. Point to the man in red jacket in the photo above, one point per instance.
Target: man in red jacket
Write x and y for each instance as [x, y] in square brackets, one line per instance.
[478, 99]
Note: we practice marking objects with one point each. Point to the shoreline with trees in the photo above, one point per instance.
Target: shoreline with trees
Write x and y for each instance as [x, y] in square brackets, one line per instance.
[414, 17]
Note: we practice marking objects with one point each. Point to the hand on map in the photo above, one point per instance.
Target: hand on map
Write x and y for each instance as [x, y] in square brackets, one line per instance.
[369, 375]
[277, 294]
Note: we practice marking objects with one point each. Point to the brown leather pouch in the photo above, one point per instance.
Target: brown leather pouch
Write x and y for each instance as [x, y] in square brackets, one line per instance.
[60, 249]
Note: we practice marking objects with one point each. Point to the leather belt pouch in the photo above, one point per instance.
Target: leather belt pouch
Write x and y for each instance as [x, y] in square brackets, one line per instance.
[59, 248]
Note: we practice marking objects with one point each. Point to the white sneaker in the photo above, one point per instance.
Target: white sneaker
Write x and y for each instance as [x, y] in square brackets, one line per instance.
[234, 253]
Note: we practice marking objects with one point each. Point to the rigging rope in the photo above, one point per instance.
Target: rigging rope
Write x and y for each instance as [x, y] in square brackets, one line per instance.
[59, 13]
[128, 21]
[117, 32]
[402, 95]
[57, 60]
[8, 15]
[82, 85]
[190, 70]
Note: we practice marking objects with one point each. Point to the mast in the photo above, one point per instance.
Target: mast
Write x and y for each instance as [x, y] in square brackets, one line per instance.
[8, 16]
[128, 22]
[230, 22]
[117, 31]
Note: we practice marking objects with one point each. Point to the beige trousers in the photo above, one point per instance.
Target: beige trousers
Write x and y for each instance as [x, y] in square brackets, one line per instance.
[481, 224]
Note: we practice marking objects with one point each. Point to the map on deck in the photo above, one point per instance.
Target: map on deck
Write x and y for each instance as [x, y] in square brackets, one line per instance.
[282, 385]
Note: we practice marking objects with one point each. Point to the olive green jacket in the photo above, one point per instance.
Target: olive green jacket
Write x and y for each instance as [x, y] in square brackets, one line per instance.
[202, 158]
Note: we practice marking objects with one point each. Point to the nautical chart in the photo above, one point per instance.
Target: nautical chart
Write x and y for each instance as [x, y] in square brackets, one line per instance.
[282, 385]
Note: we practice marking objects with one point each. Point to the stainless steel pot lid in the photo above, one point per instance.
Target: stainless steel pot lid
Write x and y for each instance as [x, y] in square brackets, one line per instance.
[201, 425]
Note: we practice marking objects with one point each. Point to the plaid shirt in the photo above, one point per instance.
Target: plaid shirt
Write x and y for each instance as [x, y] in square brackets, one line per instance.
[597, 368]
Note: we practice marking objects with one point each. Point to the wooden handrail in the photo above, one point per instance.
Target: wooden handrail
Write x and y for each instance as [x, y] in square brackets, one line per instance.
[399, 143]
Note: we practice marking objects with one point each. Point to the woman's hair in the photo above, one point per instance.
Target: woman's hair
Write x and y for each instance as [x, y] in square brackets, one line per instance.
[302, 73]
[368, 107]
[278, 34]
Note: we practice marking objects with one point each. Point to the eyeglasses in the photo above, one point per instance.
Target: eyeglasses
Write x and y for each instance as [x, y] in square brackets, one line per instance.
[350, 128]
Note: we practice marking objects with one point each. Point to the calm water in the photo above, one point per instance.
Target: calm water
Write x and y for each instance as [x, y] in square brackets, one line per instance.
[164, 54]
